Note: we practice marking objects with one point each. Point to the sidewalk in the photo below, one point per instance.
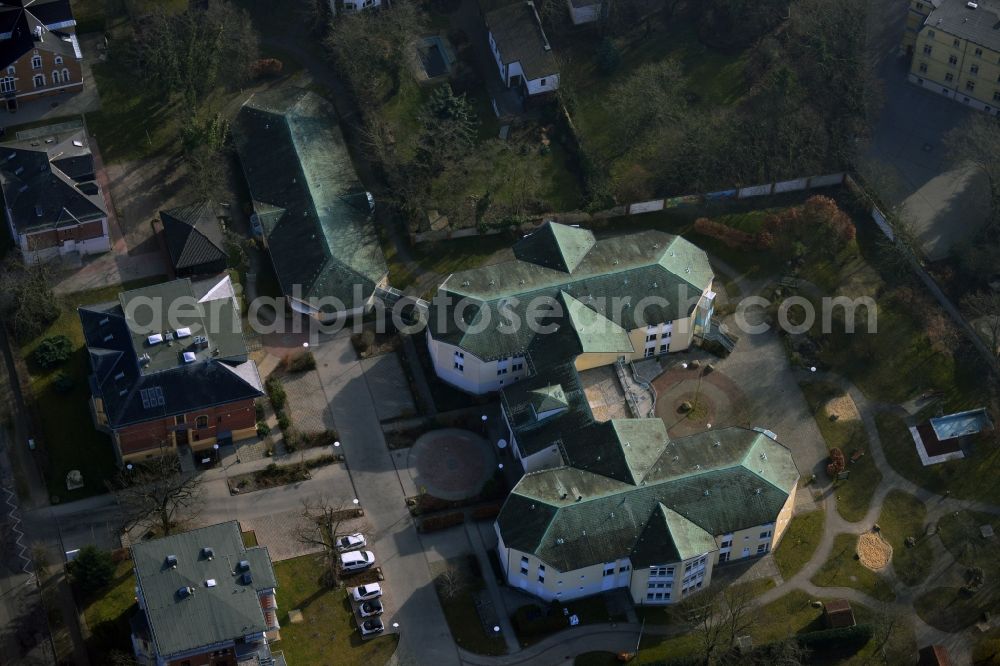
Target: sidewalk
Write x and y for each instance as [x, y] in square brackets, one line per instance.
[506, 628]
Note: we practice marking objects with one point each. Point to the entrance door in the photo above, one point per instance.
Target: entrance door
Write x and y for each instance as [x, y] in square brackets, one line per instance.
[182, 437]
[746, 552]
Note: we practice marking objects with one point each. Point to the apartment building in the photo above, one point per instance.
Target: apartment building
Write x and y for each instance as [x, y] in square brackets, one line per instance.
[633, 509]
[567, 295]
[170, 368]
[205, 599]
[956, 50]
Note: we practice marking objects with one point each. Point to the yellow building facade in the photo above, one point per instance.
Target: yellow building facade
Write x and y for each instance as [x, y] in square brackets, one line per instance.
[956, 51]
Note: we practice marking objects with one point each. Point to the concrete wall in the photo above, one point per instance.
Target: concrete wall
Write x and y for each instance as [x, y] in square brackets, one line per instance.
[582, 15]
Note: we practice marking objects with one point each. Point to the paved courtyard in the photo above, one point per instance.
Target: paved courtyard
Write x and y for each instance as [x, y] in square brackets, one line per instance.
[718, 400]
[946, 204]
[449, 464]
[387, 382]
[604, 393]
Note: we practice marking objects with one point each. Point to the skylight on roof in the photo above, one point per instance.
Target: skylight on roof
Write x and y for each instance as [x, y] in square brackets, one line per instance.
[190, 357]
[155, 339]
[183, 332]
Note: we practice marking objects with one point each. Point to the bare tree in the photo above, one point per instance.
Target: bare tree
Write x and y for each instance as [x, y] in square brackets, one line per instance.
[28, 303]
[977, 142]
[885, 626]
[725, 618]
[321, 525]
[156, 491]
[450, 582]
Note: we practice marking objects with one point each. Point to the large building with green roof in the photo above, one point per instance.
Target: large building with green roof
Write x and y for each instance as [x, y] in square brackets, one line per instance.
[593, 301]
[315, 214]
[631, 508]
[204, 598]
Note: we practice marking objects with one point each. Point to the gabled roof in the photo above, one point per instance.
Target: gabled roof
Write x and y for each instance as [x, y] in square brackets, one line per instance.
[717, 481]
[518, 33]
[555, 246]
[226, 610]
[314, 210]
[669, 537]
[597, 333]
[139, 381]
[193, 236]
[19, 19]
[48, 179]
[613, 279]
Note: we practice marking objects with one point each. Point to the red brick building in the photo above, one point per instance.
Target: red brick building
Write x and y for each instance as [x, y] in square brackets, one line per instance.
[171, 369]
[39, 51]
[52, 202]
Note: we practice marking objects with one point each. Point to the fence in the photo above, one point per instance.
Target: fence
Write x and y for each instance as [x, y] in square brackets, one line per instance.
[652, 206]
[882, 222]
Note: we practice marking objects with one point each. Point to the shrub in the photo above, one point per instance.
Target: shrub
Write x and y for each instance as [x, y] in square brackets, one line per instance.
[92, 570]
[846, 639]
[263, 430]
[63, 383]
[608, 56]
[442, 522]
[532, 620]
[488, 512]
[53, 351]
[265, 67]
[300, 362]
[258, 408]
[837, 463]
[276, 393]
[725, 234]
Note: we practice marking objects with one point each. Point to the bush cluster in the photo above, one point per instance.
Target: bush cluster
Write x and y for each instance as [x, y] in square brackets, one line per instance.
[53, 351]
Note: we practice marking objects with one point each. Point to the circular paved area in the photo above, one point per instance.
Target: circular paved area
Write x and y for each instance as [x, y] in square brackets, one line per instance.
[719, 400]
[451, 464]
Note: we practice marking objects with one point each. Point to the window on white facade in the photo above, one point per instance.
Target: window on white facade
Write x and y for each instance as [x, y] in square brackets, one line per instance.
[923, 68]
[956, 43]
[624, 567]
[952, 60]
[979, 53]
[974, 69]
[726, 542]
[524, 571]
[39, 80]
[660, 572]
[609, 571]
[765, 535]
[949, 76]
[36, 62]
[651, 337]
[542, 82]
[459, 366]
[663, 348]
[541, 577]
[927, 49]
[762, 548]
[650, 351]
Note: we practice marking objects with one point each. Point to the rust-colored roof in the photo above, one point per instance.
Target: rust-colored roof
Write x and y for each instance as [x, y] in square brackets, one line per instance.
[838, 614]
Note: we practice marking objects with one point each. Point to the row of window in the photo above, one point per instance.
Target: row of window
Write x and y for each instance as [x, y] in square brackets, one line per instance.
[657, 596]
[969, 85]
[8, 85]
[36, 63]
[955, 43]
[200, 422]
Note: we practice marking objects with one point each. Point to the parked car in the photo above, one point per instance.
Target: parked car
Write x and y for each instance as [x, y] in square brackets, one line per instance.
[351, 541]
[371, 627]
[366, 592]
[371, 608]
[356, 560]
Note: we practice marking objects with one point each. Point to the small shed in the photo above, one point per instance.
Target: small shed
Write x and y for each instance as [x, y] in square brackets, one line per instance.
[837, 614]
[933, 655]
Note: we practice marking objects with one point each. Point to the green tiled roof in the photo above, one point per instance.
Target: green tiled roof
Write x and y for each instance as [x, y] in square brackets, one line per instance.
[670, 537]
[314, 210]
[597, 333]
[518, 401]
[229, 609]
[548, 398]
[555, 246]
[619, 271]
[718, 481]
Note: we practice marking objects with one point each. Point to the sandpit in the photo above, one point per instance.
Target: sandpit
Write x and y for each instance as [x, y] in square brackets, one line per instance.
[842, 408]
[874, 552]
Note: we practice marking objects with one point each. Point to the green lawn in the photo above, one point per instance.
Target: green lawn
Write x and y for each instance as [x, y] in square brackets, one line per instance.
[784, 617]
[854, 494]
[903, 515]
[446, 257]
[460, 609]
[799, 542]
[972, 477]
[68, 437]
[844, 570]
[107, 615]
[947, 607]
[134, 121]
[327, 634]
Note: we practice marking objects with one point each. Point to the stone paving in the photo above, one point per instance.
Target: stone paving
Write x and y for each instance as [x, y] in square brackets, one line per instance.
[450, 464]
[387, 381]
[720, 401]
[604, 393]
[307, 403]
